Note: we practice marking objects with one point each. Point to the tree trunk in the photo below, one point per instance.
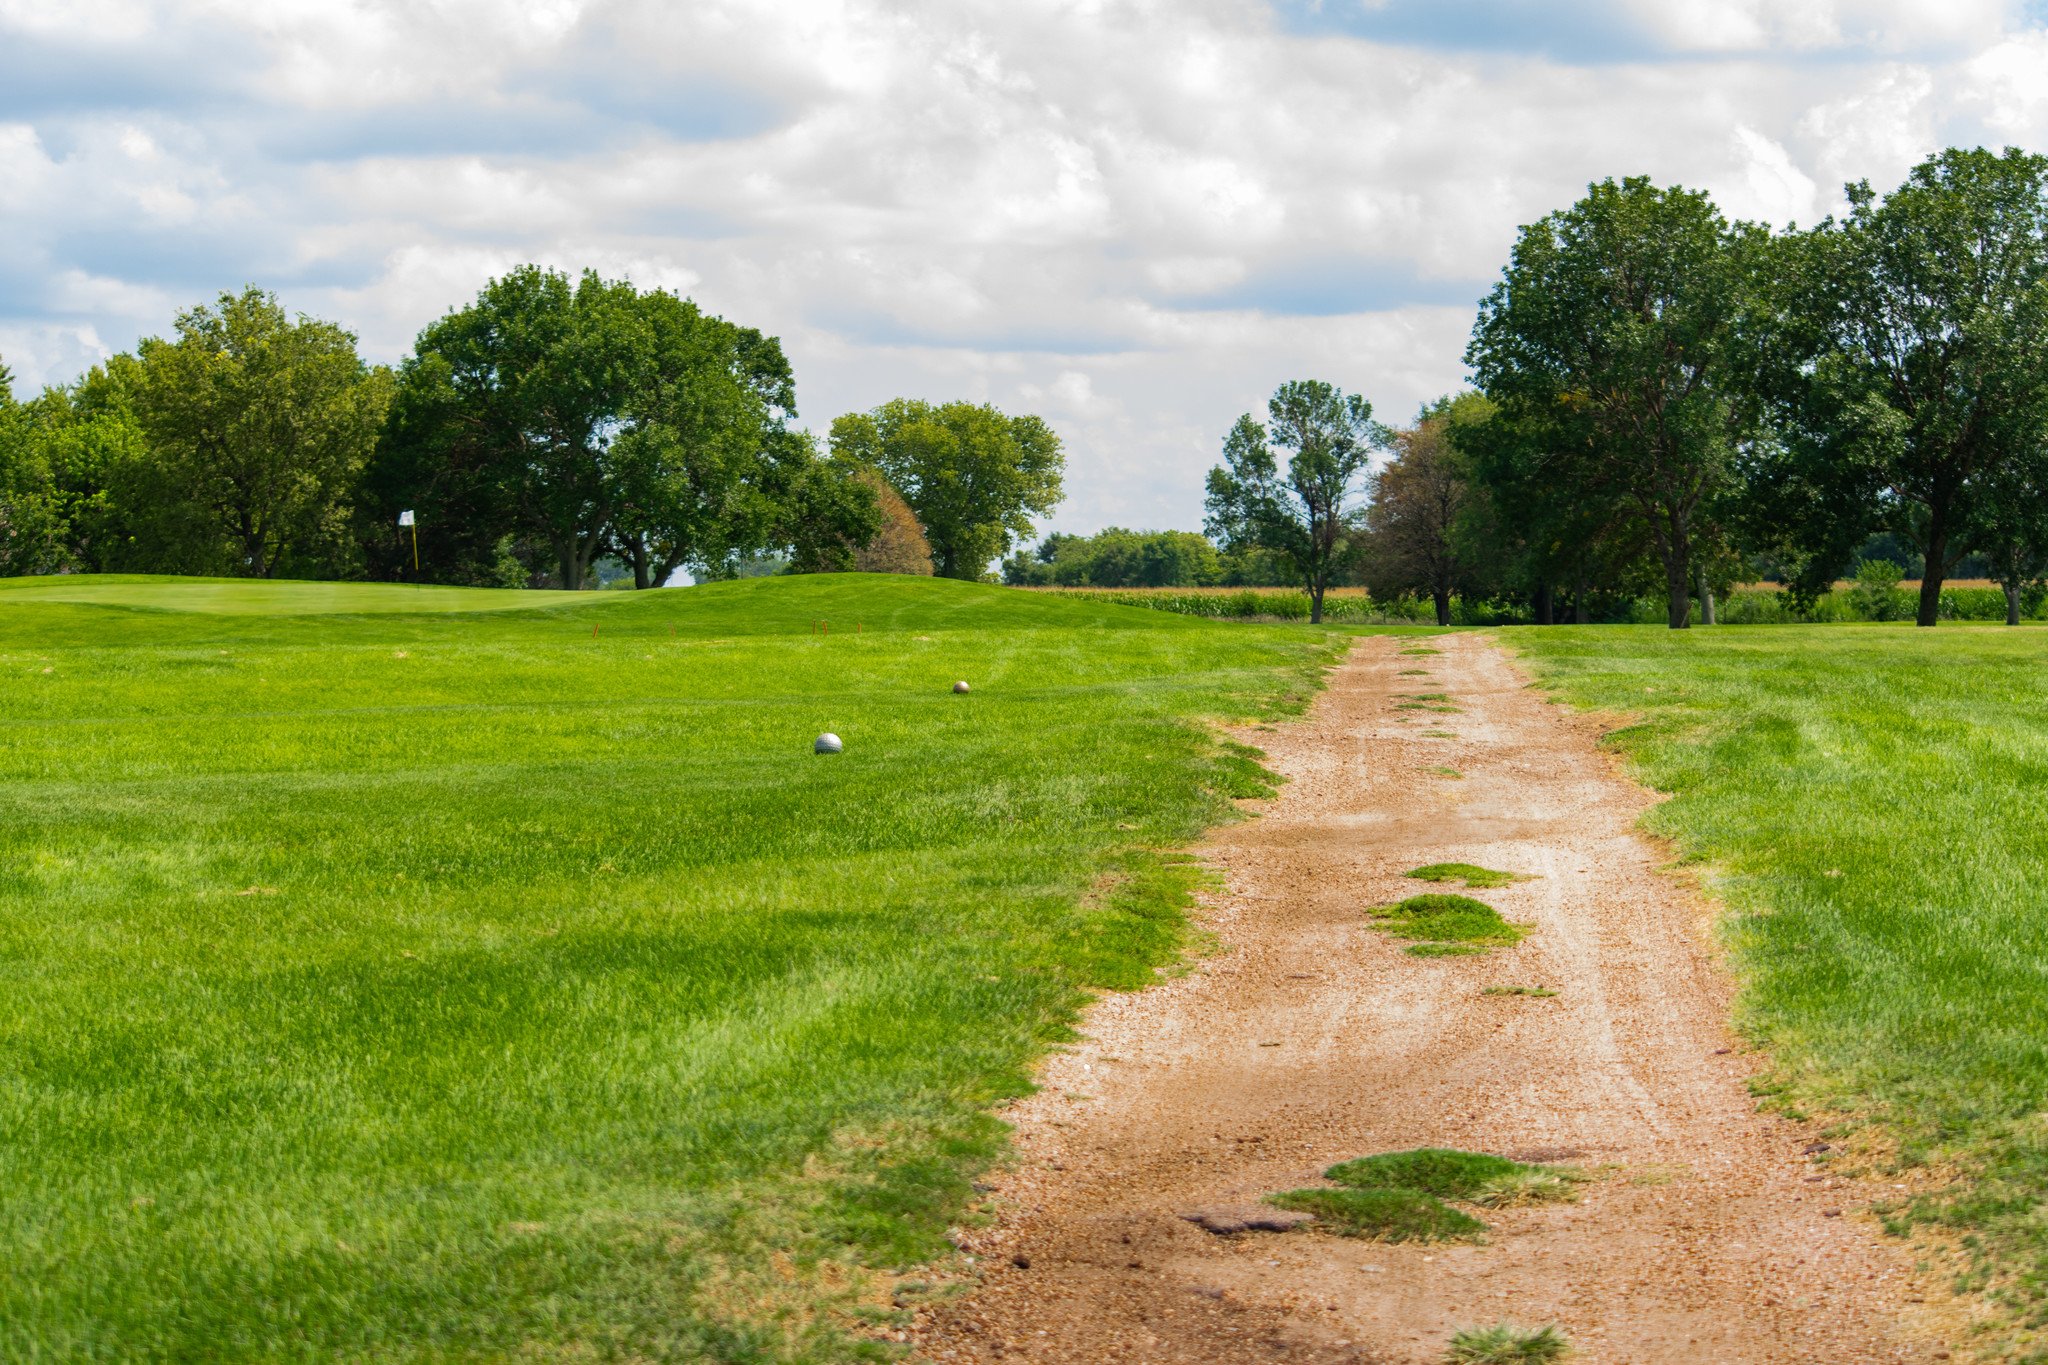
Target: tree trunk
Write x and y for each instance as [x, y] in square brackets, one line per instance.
[639, 558]
[1443, 606]
[2012, 603]
[1579, 598]
[1315, 604]
[1933, 567]
[1546, 605]
[1677, 553]
[565, 561]
[1706, 600]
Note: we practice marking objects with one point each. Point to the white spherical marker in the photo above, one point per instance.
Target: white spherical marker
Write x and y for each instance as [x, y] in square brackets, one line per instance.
[960, 687]
[828, 743]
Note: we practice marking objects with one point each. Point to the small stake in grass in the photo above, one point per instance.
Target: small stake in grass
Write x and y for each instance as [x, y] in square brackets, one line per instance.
[961, 687]
[827, 743]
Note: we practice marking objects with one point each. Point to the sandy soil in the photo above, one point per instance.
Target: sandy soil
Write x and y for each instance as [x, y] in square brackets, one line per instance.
[1711, 1235]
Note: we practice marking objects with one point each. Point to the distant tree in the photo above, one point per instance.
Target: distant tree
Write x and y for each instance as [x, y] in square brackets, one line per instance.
[1611, 343]
[1421, 501]
[258, 427]
[974, 476]
[1305, 513]
[831, 510]
[899, 545]
[574, 419]
[32, 526]
[1901, 353]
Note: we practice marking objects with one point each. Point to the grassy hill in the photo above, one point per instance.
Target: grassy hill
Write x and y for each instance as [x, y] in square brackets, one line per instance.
[451, 974]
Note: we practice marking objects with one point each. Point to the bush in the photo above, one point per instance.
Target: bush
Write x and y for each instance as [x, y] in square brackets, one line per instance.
[1877, 590]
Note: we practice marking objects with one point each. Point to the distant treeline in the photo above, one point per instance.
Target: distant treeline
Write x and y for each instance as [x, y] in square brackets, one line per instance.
[549, 426]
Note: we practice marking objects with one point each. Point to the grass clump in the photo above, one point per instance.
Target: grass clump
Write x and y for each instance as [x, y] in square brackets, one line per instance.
[1444, 950]
[1421, 649]
[1534, 992]
[1446, 1173]
[1446, 918]
[1446, 770]
[1384, 1215]
[1504, 1344]
[1471, 874]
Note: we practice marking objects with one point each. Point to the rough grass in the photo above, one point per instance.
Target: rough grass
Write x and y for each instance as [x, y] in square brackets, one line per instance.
[424, 975]
[1536, 992]
[1505, 1344]
[1869, 799]
[1384, 1215]
[1446, 1173]
[1446, 918]
[1471, 874]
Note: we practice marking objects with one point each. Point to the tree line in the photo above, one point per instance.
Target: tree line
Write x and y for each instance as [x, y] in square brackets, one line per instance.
[552, 425]
[1665, 401]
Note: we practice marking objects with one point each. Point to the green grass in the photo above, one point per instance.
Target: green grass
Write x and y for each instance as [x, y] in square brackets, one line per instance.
[1446, 1173]
[1505, 1344]
[1533, 992]
[415, 974]
[1384, 1215]
[1870, 800]
[1444, 918]
[1471, 874]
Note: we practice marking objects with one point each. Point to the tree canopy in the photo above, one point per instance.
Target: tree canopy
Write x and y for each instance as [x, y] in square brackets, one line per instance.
[974, 475]
[1306, 512]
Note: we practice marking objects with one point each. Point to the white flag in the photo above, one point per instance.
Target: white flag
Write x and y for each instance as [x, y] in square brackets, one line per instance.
[405, 518]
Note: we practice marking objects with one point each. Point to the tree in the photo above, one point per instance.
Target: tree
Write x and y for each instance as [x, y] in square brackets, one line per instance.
[570, 420]
[32, 526]
[258, 427]
[1611, 340]
[974, 476]
[899, 545]
[1305, 514]
[1902, 353]
[1420, 502]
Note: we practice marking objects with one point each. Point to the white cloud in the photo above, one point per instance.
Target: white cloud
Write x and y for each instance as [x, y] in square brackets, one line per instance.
[1133, 216]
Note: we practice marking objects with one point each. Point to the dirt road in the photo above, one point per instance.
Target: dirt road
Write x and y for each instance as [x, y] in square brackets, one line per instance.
[1709, 1236]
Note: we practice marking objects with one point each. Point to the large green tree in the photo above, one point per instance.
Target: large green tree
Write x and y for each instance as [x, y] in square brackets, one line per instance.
[563, 420]
[1611, 344]
[1416, 524]
[974, 475]
[258, 425]
[1904, 353]
[1307, 513]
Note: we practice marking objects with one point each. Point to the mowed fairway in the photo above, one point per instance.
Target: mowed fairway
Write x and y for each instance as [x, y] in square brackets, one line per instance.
[1876, 801]
[455, 983]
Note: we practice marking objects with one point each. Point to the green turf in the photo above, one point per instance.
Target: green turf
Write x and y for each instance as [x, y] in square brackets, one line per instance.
[1383, 1215]
[1471, 874]
[1445, 918]
[1871, 799]
[456, 984]
[1475, 1177]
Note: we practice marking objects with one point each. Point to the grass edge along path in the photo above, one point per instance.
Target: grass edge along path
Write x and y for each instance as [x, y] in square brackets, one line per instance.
[514, 982]
[1865, 803]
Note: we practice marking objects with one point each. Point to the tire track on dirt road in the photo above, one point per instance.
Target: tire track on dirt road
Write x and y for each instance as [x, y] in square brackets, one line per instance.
[1310, 1038]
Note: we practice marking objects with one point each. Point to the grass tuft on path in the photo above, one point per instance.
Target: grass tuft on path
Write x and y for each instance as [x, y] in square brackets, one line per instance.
[435, 975]
[1505, 1344]
[1384, 1215]
[1445, 918]
[1475, 1177]
[1471, 874]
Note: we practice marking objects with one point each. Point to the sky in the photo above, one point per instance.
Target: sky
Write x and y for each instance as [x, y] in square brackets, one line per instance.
[1134, 219]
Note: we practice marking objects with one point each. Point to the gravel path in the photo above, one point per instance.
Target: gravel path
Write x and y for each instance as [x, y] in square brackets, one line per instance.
[1709, 1236]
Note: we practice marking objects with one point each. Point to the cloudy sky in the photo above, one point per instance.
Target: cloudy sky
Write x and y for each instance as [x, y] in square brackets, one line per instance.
[1133, 218]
